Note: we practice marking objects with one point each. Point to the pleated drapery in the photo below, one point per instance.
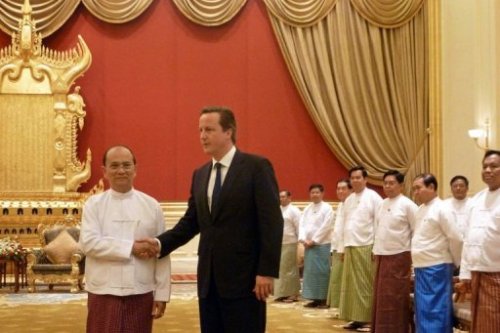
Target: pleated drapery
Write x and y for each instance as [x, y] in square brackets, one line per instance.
[210, 12]
[365, 87]
[116, 11]
[50, 15]
[361, 66]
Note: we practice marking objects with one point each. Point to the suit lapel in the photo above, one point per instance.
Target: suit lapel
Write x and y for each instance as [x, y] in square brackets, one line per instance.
[205, 177]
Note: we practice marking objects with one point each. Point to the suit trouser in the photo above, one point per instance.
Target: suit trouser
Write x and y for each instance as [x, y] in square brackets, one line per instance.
[231, 315]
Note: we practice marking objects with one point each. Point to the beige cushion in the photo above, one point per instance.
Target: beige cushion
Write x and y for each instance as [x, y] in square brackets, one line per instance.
[59, 251]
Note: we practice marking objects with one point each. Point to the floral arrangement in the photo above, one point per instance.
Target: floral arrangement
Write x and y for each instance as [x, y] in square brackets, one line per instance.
[12, 250]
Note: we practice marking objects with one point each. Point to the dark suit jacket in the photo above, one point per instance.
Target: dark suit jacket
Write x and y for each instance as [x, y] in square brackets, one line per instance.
[242, 237]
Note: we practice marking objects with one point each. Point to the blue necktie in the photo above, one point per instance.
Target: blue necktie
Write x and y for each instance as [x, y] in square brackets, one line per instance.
[217, 185]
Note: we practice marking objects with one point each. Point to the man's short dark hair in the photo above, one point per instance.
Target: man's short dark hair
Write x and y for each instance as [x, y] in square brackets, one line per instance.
[227, 119]
[400, 178]
[491, 152]
[318, 186]
[459, 177]
[358, 168]
[347, 181]
[288, 193]
[105, 156]
[428, 179]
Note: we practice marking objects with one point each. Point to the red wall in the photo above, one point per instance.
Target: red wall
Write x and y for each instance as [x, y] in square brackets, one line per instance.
[150, 77]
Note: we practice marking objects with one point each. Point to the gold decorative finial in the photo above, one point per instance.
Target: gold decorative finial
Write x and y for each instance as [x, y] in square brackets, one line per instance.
[26, 7]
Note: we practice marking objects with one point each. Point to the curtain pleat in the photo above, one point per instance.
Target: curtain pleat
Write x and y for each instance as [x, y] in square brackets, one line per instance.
[117, 11]
[209, 13]
[49, 15]
[366, 88]
[300, 13]
[388, 14]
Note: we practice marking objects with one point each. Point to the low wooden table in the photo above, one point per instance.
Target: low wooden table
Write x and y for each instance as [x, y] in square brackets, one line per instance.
[18, 268]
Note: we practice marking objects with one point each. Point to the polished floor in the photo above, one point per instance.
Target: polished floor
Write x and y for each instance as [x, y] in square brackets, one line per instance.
[61, 312]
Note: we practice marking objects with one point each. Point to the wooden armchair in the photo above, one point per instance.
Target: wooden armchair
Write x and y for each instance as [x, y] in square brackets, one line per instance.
[59, 261]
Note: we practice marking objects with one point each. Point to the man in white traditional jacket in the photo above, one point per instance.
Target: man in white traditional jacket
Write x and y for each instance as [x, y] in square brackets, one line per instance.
[457, 204]
[356, 243]
[125, 291]
[315, 234]
[344, 189]
[287, 287]
[481, 255]
[394, 222]
[435, 249]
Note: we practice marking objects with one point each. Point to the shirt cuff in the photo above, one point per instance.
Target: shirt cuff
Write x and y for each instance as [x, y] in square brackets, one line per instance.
[159, 246]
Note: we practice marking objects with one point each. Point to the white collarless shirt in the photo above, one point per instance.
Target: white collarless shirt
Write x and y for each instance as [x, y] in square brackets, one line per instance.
[436, 239]
[291, 217]
[481, 248]
[316, 223]
[394, 222]
[460, 211]
[358, 221]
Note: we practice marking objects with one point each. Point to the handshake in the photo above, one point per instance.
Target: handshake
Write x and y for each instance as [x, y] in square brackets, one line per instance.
[146, 248]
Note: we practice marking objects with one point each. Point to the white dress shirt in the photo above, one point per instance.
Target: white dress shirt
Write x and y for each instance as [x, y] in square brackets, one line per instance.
[226, 163]
[460, 212]
[111, 222]
[482, 243]
[291, 217]
[436, 238]
[358, 221]
[316, 223]
[394, 223]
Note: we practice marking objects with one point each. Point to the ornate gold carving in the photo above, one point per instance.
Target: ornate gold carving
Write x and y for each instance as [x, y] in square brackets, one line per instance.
[40, 118]
[49, 114]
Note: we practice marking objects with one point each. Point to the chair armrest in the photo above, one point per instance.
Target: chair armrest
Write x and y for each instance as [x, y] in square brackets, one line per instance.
[78, 263]
[35, 256]
[76, 258]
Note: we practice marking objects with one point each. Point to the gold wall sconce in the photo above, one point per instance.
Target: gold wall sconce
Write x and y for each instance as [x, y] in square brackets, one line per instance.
[481, 133]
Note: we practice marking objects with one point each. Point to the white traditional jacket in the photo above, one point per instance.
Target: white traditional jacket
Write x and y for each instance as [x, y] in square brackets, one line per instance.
[357, 226]
[111, 222]
[394, 222]
[482, 241]
[316, 223]
[436, 239]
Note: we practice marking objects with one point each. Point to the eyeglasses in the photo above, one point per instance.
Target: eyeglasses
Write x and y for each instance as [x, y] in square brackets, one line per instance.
[127, 166]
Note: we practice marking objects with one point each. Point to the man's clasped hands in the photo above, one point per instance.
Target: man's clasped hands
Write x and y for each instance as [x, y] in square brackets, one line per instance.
[146, 248]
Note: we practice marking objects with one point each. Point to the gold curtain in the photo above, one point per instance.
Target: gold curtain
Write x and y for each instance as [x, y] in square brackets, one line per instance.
[301, 13]
[366, 88]
[117, 11]
[209, 12]
[49, 15]
[387, 14]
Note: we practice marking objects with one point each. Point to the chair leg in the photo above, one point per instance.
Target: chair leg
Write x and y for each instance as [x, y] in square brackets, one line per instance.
[74, 286]
[31, 285]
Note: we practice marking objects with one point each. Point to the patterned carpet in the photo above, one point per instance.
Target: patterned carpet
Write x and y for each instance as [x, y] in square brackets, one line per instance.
[61, 312]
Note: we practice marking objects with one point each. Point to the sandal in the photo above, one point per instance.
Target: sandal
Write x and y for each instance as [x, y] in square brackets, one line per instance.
[353, 325]
[290, 300]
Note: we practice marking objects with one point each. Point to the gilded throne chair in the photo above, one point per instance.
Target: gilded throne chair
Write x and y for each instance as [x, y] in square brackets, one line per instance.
[60, 260]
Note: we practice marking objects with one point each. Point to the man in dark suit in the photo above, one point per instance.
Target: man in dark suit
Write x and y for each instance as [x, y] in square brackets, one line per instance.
[235, 208]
